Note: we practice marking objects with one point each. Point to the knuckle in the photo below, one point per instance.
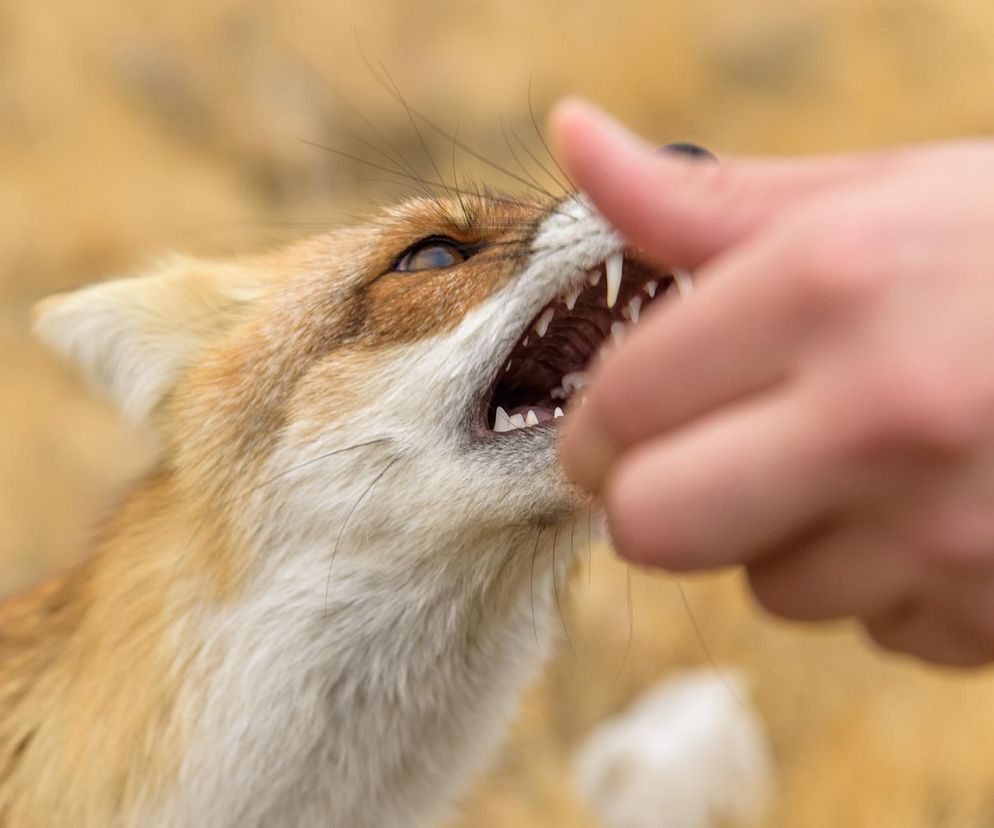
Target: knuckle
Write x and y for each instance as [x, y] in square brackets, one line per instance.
[890, 630]
[981, 626]
[882, 635]
[954, 538]
[774, 596]
[839, 266]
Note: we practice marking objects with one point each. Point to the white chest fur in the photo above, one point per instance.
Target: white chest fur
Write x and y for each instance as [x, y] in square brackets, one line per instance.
[376, 710]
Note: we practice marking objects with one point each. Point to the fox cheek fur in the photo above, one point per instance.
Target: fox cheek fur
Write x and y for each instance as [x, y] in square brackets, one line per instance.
[322, 604]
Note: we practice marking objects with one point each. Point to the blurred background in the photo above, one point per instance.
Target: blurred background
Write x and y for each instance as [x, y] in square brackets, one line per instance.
[129, 128]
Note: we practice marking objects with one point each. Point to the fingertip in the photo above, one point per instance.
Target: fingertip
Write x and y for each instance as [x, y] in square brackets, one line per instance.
[586, 450]
[648, 524]
[569, 110]
[584, 136]
[575, 113]
[568, 118]
[634, 528]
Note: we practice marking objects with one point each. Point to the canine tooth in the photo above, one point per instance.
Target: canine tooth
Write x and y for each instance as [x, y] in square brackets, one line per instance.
[557, 413]
[634, 306]
[617, 332]
[532, 418]
[650, 288]
[517, 421]
[571, 298]
[613, 266]
[594, 277]
[684, 281]
[501, 421]
[524, 341]
[542, 325]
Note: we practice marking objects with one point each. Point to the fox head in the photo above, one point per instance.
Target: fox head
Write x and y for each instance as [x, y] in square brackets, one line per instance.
[412, 368]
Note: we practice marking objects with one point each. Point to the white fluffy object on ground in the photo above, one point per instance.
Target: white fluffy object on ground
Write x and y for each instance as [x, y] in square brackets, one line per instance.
[688, 754]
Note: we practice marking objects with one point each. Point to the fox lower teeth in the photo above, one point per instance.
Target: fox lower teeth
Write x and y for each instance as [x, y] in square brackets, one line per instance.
[574, 381]
[618, 332]
[501, 421]
[634, 307]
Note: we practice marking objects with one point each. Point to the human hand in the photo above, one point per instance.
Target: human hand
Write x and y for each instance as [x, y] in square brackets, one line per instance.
[821, 410]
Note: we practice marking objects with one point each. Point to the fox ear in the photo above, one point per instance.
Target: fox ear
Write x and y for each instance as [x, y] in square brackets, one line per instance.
[132, 338]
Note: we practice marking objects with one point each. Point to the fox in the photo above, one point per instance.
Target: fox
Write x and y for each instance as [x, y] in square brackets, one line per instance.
[321, 603]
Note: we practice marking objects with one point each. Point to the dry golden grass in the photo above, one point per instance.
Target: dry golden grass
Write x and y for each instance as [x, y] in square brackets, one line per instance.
[127, 129]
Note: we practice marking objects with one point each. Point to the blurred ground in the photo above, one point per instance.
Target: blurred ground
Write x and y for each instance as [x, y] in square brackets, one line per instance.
[131, 128]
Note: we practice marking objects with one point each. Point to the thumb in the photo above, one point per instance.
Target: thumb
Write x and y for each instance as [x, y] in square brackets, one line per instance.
[679, 210]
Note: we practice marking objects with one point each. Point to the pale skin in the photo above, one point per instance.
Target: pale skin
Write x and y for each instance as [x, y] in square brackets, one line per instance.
[821, 410]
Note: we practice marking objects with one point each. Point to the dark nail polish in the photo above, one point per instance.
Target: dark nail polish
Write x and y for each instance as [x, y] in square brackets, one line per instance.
[690, 150]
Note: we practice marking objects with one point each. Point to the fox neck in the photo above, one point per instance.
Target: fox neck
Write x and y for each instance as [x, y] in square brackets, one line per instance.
[358, 691]
[400, 688]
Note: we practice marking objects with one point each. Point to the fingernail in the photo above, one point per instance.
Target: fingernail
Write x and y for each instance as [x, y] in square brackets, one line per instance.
[693, 151]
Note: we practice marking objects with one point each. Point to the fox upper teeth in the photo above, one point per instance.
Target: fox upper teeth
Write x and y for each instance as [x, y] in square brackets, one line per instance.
[684, 281]
[618, 332]
[613, 266]
[542, 325]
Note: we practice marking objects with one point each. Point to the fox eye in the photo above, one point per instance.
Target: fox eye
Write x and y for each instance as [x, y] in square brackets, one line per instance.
[435, 253]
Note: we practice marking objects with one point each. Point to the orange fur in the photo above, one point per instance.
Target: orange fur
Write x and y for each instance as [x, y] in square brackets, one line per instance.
[90, 671]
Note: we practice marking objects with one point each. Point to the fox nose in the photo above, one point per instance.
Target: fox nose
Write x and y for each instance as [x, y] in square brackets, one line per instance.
[690, 150]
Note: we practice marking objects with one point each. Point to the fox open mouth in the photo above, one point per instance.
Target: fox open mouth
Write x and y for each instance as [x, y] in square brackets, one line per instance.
[548, 364]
